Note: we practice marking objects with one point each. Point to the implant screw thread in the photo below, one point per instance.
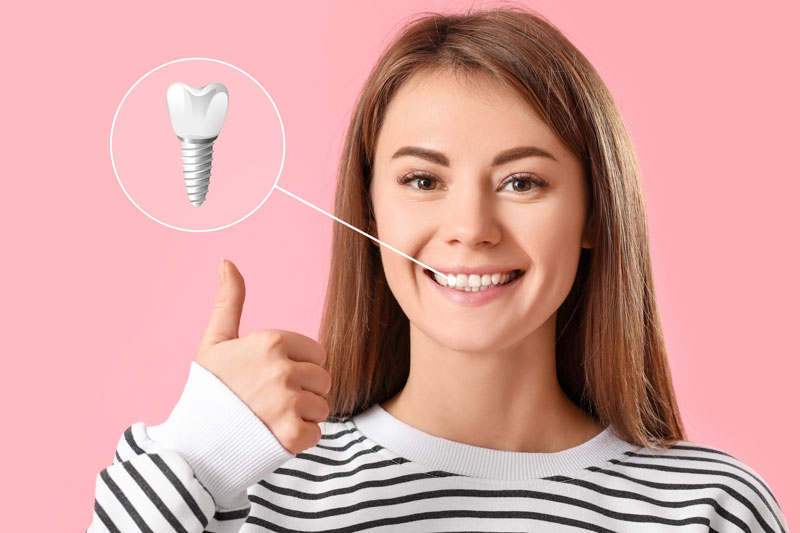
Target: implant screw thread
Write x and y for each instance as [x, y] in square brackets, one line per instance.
[197, 154]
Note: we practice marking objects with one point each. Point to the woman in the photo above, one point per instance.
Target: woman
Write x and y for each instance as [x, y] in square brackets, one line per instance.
[522, 385]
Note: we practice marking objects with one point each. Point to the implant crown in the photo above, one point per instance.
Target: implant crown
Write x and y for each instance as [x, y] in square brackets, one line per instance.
[197, 112]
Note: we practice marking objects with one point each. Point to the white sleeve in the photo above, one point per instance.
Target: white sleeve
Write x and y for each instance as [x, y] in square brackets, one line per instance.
[191, 473]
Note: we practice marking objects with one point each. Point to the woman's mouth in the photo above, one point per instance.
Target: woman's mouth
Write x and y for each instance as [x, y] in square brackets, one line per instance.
[474, 282]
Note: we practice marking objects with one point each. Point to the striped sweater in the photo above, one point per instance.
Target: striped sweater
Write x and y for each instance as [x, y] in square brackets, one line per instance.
[214, 466]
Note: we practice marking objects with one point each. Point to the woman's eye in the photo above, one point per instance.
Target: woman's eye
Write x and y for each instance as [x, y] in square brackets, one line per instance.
[425, 182]
[528, 184]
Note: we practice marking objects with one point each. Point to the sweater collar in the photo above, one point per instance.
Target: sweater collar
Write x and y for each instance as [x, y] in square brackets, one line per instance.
[439, 453]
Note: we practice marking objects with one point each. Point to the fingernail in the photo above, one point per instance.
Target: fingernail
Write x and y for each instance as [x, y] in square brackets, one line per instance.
[221, 269]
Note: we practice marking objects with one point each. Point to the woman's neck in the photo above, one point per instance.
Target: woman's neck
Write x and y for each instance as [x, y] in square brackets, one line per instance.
[513, 395]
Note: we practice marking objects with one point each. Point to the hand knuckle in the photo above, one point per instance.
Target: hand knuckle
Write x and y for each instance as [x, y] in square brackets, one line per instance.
[264, 338]
[273, 339]
[295, 436]
[280, 373]
[289, 403]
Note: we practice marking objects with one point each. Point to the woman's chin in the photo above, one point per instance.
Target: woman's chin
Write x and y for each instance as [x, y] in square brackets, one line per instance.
[468, 339]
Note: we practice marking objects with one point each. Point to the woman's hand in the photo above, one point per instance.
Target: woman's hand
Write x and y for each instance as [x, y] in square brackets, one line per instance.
[277, 373]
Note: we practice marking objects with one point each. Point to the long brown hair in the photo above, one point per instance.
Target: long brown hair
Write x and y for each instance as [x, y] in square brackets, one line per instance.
[611, 356]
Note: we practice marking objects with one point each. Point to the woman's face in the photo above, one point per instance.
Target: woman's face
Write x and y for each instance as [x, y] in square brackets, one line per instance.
[460, 211]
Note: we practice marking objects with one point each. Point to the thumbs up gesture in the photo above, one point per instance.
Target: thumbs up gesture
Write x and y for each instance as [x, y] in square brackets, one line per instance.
[277, 373]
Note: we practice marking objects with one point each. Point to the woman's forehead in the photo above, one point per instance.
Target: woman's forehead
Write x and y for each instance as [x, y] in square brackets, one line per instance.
[438, 108]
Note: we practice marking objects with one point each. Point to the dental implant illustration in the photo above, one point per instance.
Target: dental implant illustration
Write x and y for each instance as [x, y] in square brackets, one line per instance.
[197, 115]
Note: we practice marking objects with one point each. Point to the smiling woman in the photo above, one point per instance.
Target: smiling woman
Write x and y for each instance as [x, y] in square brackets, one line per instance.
[486, 146]
[524, 384]
[483, 162]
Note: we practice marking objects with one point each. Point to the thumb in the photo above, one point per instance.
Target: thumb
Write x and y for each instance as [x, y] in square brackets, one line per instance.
[228, 303]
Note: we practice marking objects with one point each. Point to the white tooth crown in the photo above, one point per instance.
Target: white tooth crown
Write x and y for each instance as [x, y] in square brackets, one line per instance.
[474, 282]
[197, 115]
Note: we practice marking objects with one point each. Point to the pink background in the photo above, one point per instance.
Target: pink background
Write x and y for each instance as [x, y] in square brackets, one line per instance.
[105, 307]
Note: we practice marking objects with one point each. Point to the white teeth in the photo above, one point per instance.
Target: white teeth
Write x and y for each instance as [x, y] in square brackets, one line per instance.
[474, 282]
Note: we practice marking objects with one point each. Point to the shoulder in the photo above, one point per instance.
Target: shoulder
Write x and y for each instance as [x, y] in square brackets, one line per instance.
[732, 491]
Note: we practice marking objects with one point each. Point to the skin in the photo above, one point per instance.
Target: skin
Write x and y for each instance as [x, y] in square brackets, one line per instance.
[490, 366]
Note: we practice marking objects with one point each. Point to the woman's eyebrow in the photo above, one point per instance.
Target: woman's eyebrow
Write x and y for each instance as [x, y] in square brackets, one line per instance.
[503, 157]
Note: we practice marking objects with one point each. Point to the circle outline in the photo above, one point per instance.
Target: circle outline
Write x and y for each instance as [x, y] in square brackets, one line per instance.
[111, 144]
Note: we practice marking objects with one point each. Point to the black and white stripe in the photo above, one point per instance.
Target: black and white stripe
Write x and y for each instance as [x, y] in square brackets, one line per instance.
[351, 482]
[149, 489]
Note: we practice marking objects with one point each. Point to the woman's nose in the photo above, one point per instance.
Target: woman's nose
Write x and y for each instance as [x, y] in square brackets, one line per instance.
[469, 217]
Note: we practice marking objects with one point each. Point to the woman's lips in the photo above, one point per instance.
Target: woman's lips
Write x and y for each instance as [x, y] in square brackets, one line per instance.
[479, 297]
[516, 272]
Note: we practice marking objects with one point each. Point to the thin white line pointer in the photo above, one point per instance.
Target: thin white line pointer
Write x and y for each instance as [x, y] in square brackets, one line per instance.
[358, 230]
